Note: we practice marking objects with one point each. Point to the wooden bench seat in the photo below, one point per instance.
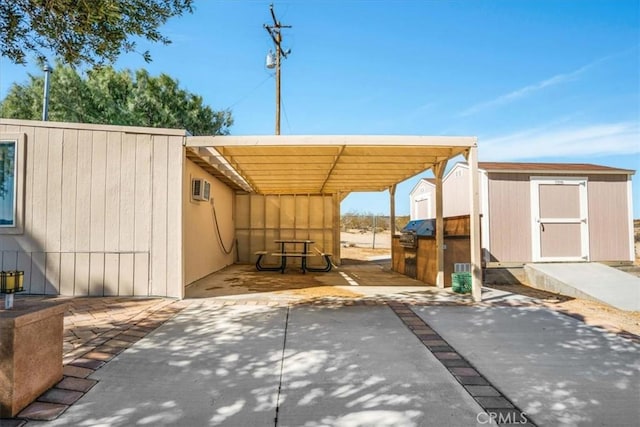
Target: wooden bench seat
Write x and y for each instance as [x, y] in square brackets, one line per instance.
[284, 255]
[291, 254]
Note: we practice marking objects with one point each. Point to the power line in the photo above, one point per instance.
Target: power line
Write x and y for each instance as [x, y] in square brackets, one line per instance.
[245, 96]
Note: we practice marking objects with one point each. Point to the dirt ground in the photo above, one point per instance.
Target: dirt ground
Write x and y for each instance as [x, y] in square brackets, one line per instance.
[360, 246]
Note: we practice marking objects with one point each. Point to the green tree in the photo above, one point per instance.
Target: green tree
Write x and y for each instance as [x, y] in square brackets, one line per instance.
[89, 31]
[106, 96]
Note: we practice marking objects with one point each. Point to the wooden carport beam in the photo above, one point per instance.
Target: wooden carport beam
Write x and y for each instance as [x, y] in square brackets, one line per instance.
[474, 212]
[438, 170]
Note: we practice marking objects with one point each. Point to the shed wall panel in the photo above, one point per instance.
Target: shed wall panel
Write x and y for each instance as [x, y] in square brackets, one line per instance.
[52, 273]
[69, 196]
[81, 276]
[510, 217]
[54, 195]
[98, 194]
[142, 199]
[455, 193]
[91, 198]
[608, 218]
[9, 260]
[83, 192]
[112, 192]
[159, 226]
[67, 273]
[125, 275]
[40, 155]
[111, 273]
[96, 274]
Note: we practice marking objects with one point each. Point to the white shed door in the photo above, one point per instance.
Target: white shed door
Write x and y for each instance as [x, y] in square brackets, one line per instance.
[560, 225]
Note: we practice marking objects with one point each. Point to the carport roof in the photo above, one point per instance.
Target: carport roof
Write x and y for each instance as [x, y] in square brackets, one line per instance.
[320, 164]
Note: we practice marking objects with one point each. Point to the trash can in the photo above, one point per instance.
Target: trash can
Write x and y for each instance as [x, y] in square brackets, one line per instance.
[461, 278]
[461, 282]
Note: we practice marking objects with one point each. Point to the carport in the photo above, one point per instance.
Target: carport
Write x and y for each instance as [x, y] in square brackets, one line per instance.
[334, 166]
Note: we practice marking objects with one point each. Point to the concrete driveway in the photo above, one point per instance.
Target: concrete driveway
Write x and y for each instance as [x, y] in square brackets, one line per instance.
[558, 370]
[264, 366]
[354, 355]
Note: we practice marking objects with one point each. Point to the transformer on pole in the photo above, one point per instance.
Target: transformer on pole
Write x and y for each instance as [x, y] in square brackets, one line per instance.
[273, 59]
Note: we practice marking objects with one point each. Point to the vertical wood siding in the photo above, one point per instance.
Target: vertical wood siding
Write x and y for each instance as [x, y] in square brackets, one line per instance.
[262, 219]
[103, 212]
[510, 217]
[458, 247]
[455, 193]
[608, 218]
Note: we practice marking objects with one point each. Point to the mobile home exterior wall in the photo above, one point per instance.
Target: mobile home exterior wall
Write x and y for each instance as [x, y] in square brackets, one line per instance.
[102, 210]
[207, 247]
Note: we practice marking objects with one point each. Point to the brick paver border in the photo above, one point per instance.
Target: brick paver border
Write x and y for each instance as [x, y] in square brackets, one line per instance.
[494, 403]
[88, 348]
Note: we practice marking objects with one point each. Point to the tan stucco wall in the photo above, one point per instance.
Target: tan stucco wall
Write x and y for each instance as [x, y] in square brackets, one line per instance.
[202, 248]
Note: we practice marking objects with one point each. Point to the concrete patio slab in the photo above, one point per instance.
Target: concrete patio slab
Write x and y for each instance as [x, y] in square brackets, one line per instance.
[223, 365]
[210, 365]
[360, 366]
[558, 370]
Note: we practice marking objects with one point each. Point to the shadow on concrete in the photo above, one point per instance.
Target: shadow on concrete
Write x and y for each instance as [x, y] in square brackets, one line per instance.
[560, 371]
[261, 366]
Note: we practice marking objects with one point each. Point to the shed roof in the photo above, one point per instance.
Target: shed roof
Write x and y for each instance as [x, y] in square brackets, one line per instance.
[430, 181]
[326, 164]
[520, 167]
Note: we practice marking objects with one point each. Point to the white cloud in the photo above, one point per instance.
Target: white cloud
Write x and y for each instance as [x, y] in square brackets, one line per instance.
[563, 142]
[532, 88]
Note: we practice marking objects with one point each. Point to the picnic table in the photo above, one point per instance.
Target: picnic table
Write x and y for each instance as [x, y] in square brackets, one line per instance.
[290, 248]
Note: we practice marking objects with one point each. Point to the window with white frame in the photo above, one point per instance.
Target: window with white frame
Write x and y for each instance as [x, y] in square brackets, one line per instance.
[11, 183]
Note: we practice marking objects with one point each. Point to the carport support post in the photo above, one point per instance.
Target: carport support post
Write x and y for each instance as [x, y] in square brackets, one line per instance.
[392, 216]
[392, 210]
[439, 173]
[474, 212]
[336, 199]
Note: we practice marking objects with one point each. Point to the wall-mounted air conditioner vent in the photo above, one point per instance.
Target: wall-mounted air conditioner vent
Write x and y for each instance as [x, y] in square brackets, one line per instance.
[200, 189]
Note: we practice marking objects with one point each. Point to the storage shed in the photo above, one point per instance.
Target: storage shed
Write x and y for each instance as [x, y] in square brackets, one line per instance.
[114, 210]
[540, 212]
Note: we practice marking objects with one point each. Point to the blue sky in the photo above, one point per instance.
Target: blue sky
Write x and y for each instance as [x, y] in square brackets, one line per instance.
[533, 80]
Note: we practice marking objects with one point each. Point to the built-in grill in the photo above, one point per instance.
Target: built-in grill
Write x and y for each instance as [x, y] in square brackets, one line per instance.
[419, 227]
[409, 240]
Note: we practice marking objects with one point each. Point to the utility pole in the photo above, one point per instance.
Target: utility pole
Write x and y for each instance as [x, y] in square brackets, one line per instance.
[45, 96]
[276, 35]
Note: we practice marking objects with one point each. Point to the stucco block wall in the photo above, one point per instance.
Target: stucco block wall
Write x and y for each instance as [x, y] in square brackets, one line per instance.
[203, 249]
[102, 212]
